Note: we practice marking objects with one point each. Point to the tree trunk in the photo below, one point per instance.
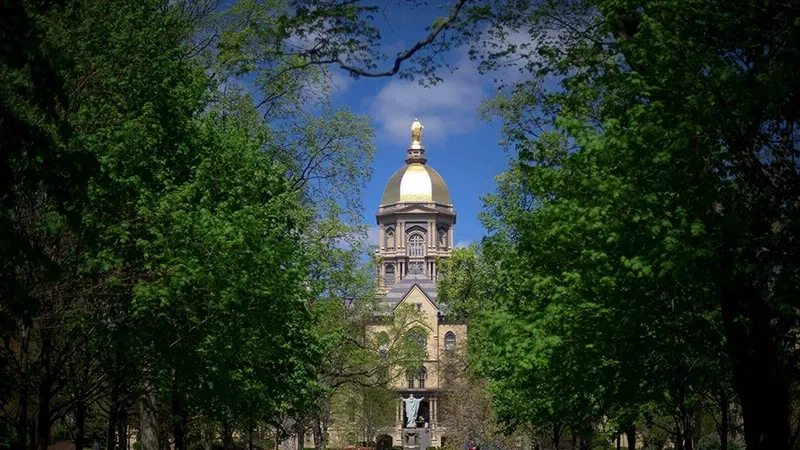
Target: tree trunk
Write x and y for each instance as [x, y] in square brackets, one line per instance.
[148, 422]
[556, 436]
[43, 424]
[319, 431]
[32, 431]
[586, 442]
[587, 435]
[22, 412]
[80, 424]
[250, 436]
[178, 417]
[111, 429]
[122, 429]
[630, 434]
[682, 417]
[758, 374]
[723, 427]
[227, 436]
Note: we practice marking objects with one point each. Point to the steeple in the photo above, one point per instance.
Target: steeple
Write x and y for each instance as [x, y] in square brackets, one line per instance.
[416, 220]
[416, 152]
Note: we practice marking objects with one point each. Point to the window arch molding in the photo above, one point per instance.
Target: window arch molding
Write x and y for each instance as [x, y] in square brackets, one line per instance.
[416, 245]
[449, 340]
[389, 238]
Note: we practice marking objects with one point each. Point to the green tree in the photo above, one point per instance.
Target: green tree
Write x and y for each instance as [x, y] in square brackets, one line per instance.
[660, 173]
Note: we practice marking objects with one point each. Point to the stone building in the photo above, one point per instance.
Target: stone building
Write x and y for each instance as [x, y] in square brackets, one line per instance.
[416, 220]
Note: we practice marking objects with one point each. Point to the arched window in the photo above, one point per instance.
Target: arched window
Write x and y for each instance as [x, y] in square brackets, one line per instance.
[389, 238]
[421, 376]
[416, 245]
[388, 276]
[449, 341]
[410, 379]
[418, 336]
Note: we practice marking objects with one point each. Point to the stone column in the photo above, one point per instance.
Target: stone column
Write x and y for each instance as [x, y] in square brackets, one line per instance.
[401, 234]
[399, 413]
[450, 237]
[434, 412]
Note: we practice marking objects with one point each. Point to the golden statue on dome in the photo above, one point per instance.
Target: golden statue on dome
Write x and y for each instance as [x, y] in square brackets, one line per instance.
[416, 134]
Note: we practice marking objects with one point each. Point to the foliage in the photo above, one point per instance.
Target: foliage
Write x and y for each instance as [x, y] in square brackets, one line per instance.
[465, 407]
[466, 282]
[643, 229]
[366, 412]
[167, 240]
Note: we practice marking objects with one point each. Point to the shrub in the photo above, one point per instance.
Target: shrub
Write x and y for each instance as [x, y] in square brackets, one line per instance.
[62, 434]
[711, 442]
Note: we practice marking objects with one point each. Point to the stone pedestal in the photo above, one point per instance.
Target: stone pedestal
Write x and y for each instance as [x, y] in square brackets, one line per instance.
[416, 438]
[410, 439]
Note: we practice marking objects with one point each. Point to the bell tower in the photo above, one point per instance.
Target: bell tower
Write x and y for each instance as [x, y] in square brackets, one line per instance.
[415, 219]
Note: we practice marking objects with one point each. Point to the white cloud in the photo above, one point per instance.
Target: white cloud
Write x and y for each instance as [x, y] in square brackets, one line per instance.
[445, 109]
[463, 244]
[450, 107]
[339, 81]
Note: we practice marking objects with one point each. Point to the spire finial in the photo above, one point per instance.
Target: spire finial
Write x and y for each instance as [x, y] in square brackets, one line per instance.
[416, 134]
[416, 152]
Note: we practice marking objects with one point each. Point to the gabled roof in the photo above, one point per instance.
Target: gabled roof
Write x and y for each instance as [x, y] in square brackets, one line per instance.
[401, 289]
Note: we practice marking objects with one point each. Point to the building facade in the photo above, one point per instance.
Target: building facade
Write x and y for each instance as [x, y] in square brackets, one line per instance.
[416, 219]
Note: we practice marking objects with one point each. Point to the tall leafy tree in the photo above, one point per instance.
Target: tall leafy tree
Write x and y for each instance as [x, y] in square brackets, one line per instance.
[655, 141]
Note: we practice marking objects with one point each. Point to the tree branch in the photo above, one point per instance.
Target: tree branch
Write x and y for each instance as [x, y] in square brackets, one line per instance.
[408, 54]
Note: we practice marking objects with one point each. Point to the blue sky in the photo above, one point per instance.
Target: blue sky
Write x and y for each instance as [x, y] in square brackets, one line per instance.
[463, 149]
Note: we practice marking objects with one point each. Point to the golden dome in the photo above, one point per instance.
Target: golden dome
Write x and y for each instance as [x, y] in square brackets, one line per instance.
[416, 183]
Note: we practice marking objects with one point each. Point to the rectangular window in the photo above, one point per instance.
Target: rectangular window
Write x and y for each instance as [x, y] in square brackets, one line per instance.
[419, 306]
